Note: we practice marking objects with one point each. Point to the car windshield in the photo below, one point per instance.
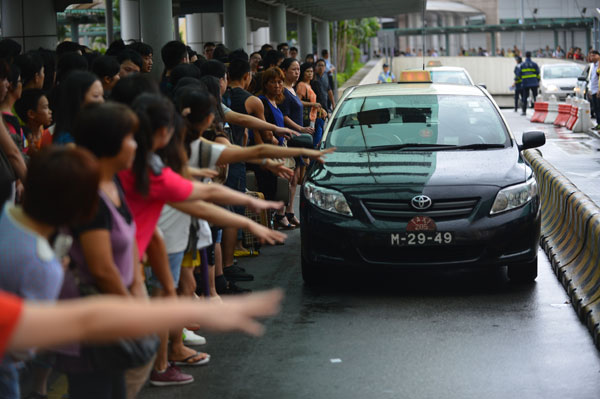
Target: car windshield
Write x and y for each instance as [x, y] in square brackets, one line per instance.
[561, 71]
[412, 121]
[456, 77]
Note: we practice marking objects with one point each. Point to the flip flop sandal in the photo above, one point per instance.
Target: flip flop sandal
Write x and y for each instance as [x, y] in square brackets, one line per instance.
[188, 360]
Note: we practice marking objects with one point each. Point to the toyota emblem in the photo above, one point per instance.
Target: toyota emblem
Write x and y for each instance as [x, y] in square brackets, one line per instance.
[421, 202]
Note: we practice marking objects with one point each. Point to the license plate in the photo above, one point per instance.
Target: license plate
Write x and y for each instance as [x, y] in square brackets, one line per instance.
[421, 238]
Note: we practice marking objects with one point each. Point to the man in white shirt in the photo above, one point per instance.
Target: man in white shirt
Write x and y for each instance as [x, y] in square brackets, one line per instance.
[593, 86]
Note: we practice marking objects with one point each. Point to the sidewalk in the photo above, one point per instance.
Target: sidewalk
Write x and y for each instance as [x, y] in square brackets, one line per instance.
[576, 155]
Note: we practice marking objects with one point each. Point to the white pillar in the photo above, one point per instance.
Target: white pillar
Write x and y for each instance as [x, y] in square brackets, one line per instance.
[453, 47]
[323, 40]
[130, 20]
[277, 24]
[212, 31]
[305, 35]
[459, 20]
[193, 32]
[260, 37]
[234, 21]
[432, 22]
[156, 20]
[32, 23]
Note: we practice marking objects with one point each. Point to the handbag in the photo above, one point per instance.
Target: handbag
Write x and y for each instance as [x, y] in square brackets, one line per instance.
[123, 354]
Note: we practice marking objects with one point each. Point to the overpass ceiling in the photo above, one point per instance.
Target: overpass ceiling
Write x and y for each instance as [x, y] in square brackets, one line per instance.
[326, 10]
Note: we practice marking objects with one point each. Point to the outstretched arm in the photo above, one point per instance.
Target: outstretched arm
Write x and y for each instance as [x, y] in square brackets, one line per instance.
[105, 318]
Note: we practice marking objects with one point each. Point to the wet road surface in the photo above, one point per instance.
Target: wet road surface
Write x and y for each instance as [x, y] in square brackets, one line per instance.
[412, 335]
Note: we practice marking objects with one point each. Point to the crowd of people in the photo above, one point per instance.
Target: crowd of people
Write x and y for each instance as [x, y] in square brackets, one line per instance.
[116, 185]
[574, 53]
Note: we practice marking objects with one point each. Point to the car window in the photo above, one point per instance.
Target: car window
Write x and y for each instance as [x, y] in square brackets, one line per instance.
[456, 77]
[365, 122]
[561, 71]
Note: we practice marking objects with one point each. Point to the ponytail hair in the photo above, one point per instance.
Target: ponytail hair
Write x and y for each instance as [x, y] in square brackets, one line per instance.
[154, 112]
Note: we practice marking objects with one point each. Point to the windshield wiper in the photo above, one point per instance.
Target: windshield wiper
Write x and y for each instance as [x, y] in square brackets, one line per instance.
[416, 146]
[478, 146]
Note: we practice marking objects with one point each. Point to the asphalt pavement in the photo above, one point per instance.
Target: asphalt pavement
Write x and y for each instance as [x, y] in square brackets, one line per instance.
[411, 335]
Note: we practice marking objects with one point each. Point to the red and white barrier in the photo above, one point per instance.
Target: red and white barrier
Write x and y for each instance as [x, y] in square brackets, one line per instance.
[552, 110]
[540, 111]
[574, 115]
[564, 113]
[584, 118]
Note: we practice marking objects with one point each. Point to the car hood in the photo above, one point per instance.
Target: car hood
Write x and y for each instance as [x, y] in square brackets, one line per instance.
[351, 170]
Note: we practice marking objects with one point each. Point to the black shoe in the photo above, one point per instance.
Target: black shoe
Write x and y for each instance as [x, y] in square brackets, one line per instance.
[235, 273]
[233, 289]
[523, 113]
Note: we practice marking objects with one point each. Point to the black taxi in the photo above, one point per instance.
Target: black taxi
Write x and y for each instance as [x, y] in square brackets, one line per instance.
[425, 175]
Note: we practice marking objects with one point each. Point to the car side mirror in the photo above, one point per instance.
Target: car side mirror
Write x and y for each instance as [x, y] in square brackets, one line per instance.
[533, 139]
[582, 78]
[482, 85]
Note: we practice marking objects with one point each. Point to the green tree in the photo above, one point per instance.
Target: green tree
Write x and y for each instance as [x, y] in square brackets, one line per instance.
[351, 34]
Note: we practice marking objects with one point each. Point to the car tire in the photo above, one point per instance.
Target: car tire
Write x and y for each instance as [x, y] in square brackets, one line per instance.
[310, 274]
[525, 272]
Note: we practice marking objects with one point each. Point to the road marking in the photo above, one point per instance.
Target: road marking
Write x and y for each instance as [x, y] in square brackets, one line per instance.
[335, 360]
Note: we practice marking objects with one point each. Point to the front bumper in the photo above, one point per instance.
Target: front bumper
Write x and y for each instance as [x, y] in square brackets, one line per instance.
[331, 239]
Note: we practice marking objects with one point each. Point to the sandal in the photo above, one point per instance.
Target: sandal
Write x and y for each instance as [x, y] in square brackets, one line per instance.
[278, 224]
[292, 219]
[189, 361]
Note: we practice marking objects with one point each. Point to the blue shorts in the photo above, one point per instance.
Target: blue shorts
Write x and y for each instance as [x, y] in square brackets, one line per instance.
[9, 381]
[175, 260]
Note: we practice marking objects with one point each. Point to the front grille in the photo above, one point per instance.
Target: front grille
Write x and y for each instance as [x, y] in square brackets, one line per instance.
[422, 254]
[567, 88]
[403, 210]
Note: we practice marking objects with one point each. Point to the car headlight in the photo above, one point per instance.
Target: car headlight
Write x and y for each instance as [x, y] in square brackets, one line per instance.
[551, 88]
[514, 196]
[327, 199]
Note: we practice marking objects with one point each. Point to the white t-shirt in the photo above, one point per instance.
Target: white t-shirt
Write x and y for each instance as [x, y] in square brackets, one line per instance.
[175, 225]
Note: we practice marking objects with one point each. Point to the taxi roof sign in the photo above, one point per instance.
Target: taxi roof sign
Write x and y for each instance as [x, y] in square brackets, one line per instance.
[434, 63]
[417, 76]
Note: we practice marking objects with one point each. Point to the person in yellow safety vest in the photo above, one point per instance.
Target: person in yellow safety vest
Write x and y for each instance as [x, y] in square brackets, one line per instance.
[530, 79]
[386, 76]
[517, 82]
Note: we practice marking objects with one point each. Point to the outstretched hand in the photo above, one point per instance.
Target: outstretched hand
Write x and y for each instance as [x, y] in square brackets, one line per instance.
[203, 172]
[319, 155]
[257, 205]
[279, 169]
[240, 313]
[265, 234]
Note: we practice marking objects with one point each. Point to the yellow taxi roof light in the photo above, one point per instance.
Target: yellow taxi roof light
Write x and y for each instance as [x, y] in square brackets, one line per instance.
[434, 63]
[415, 77]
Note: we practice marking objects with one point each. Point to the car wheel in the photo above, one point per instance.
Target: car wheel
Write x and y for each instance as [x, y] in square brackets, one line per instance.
[525, 272]
[310, 274]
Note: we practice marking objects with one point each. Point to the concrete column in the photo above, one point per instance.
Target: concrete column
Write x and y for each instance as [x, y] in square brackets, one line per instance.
[305, 35]
[432, 22]
[202, 28]
[462, 38]
[234, 20]
[410, 24]
[74, 32]
[156, 21]
[212, 31]
[32, 23]
[193, 32]
[261, 36]
[249, 37]
[323, 40]
[130, 20]
[452, 42]
[417, 23]
[277, 24]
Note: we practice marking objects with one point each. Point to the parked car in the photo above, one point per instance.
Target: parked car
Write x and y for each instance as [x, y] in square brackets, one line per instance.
[559, 80]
